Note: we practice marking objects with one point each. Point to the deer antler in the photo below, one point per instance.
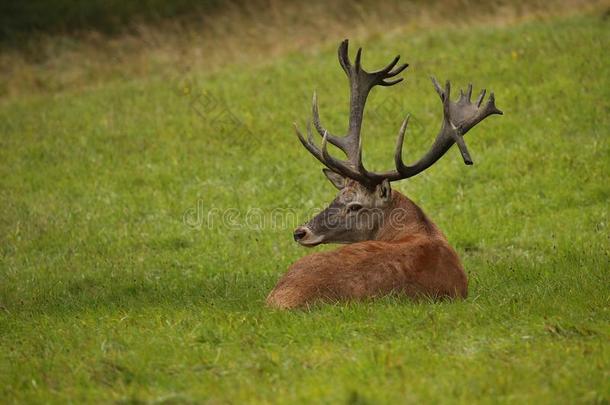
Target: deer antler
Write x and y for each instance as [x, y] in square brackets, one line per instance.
[458, 118]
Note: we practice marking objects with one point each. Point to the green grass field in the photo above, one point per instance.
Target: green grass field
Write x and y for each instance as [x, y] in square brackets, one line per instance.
[110, 290]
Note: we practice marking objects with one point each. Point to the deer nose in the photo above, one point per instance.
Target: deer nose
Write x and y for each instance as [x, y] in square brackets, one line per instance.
[300, 233]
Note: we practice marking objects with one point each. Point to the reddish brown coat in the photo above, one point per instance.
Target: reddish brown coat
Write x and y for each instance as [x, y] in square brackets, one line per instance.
[413, 259]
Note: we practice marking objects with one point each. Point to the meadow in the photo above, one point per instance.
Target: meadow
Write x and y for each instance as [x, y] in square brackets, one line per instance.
[117, 285]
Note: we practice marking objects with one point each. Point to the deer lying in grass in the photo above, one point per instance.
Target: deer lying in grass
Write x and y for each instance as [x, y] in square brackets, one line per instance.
[392, 245]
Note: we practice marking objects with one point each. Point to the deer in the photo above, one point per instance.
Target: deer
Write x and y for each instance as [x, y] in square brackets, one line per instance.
[390, 244]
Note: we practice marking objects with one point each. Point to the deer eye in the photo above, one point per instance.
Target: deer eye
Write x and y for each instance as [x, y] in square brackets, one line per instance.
[355, 207]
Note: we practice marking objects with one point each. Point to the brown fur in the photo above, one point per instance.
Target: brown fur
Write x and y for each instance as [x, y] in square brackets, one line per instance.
[414, 259]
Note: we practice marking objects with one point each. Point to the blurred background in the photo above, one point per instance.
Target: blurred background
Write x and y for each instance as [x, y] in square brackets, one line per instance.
[53, 45]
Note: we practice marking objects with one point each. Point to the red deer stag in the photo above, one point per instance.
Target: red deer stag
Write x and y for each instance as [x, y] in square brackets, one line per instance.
[393, 246]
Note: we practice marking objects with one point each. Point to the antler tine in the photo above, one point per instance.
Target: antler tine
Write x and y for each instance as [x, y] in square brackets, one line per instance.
[344, 57]
[399, 142]
[447, 102]
[398, 70]
[458, 137]
[358, 65]
[387, 72]
[480, 98]
[469, 93]
[308, 144]
[438, 88]
[387, 83]
[335, 140]
[389, 66]
[491, 105]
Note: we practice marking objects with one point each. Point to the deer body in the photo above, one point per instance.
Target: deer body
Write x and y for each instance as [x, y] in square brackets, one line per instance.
[392, 245]
[412, 257]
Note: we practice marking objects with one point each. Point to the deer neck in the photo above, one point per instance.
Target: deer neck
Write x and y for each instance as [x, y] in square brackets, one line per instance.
[403, 218]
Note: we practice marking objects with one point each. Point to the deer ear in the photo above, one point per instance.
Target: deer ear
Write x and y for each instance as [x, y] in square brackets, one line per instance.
[385, 191]
[335, 178]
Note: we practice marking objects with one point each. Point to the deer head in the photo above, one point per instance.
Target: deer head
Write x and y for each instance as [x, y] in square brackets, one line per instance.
[365, 197]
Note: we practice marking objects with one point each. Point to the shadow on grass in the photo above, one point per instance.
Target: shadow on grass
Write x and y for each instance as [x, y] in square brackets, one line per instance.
[225, 291]
[495, 279]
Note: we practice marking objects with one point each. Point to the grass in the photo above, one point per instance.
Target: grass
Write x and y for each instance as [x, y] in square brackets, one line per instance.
[106, 294]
